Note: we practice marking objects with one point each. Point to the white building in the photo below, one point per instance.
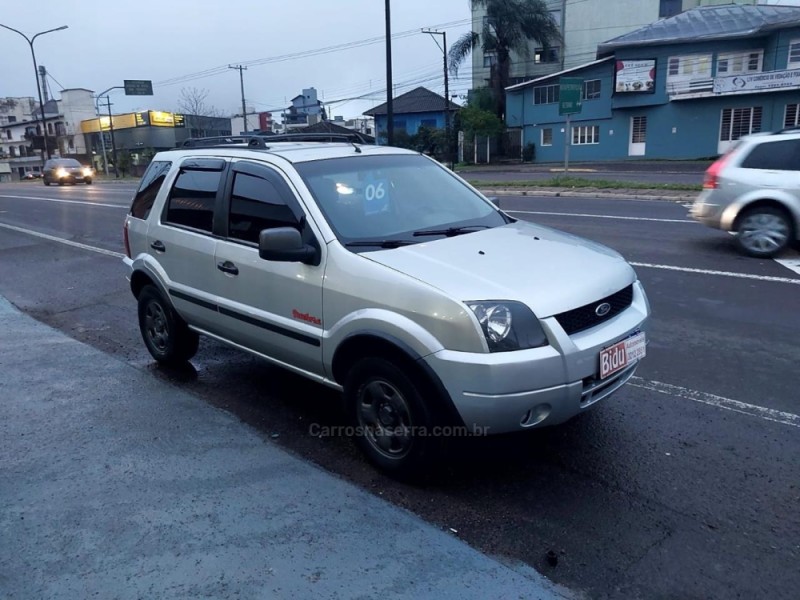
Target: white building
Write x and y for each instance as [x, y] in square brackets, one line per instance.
[21, 138]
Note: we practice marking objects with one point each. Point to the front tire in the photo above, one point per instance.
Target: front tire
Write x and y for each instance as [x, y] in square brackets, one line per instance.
[763, 231]
[47, 183]
[87, 181]
[167, 337]
[392, 416]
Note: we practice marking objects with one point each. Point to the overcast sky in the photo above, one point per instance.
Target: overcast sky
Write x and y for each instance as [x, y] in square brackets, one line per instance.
[108, 41]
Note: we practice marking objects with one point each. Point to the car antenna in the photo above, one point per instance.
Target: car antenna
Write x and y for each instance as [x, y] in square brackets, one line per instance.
[358, 150]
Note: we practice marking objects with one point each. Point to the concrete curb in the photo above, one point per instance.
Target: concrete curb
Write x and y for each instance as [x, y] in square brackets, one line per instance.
[589, 193]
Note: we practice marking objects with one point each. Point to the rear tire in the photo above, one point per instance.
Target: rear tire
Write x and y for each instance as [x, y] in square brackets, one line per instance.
[167, 337]
[393, 418]
[763, 231]
[47, 183]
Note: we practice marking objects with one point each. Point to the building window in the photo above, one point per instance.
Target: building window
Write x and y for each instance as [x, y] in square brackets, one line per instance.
[489, 59]
[669, 8]
[585, 134]
[591, 89]
[556, 16]
[12, 151]
[12, 119]
[547, 137]
[549, 55]
[794, 54]
[639, 130]
[738, 122]
[689, 74]
[545, 94]
[792, 116]
[399, 124]
[736, 63]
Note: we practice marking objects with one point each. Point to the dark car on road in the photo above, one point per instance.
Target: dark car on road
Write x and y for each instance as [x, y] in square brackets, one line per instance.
[66, 170]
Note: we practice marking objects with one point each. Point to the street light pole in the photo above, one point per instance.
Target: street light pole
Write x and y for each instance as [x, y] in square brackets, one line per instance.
[110, 125]
[36, 74]
[446, 91]
[389, 105]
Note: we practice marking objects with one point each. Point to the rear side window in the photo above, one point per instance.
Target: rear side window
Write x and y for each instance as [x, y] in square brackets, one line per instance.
[148, 188]
[192, 199]
[255, 205]
[783, 155]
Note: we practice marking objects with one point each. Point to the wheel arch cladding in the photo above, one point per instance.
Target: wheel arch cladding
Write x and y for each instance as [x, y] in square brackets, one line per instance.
[373, 344]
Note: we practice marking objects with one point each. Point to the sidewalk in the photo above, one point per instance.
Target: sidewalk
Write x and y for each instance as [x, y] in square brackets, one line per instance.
[118, 485]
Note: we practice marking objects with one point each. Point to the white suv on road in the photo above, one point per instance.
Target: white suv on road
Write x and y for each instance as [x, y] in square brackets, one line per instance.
[754, 191]
[376, 271]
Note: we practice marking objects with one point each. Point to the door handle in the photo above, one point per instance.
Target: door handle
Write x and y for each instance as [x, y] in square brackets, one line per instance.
[228, 267]
[158, 246]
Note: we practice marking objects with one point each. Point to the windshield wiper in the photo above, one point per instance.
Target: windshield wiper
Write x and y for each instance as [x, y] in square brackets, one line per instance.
[451, 231]
[379, 243]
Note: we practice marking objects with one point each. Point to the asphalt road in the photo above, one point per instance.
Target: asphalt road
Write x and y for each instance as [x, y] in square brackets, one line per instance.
[684, 485]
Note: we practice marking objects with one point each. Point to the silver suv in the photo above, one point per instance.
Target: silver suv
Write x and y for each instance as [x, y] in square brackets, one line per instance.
[754, 191]
[378, 272]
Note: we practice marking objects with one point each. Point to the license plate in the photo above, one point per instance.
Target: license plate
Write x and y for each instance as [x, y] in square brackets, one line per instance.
[620, 355]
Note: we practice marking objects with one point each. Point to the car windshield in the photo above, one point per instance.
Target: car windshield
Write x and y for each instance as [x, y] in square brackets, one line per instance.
[391, 198]
[68, 162]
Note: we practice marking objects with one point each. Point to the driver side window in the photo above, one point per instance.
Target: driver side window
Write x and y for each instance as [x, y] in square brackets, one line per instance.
[255, 205]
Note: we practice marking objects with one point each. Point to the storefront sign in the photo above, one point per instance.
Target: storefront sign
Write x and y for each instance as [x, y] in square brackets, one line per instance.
[757, 82]
[635, 76]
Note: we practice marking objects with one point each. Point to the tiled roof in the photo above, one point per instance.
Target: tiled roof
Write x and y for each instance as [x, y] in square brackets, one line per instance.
[416, 101]
[708, 23]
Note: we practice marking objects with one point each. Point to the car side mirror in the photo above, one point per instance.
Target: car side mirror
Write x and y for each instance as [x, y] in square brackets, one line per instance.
[285, 244]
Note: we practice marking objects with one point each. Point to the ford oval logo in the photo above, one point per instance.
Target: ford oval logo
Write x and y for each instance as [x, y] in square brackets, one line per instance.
[602, 309]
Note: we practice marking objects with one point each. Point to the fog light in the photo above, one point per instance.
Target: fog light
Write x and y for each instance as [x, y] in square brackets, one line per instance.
[535, 415]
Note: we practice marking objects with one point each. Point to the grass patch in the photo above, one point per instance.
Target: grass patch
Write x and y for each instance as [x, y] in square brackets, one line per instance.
[563, 181]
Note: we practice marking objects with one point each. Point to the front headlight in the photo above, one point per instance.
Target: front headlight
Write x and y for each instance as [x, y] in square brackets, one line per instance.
[61, 173]
[87, 172]
[508, 325]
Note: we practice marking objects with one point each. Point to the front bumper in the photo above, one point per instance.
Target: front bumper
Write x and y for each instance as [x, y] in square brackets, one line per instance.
[510, 391]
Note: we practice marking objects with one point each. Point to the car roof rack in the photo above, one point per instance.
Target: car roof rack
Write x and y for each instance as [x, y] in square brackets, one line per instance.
[225, 140]
[317, 137]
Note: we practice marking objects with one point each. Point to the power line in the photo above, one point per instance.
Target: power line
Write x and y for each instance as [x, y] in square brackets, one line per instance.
[303, 54]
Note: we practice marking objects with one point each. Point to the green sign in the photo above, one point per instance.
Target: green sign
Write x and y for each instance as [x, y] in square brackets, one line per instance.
[570, 93]
[138, 87]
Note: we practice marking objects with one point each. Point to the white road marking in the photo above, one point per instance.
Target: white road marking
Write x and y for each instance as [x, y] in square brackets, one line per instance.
[720, 273]
[560, 214]
[125, 206]
[53, 238]
[767, 414]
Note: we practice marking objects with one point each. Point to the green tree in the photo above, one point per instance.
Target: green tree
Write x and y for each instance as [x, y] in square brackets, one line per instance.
[509, 26]
[123, 161]
[477, 121]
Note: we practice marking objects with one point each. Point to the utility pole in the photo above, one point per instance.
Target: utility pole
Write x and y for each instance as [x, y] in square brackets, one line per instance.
[113, 142]
[448, 145]
[110, 124]
[389, 106]
[241, 69]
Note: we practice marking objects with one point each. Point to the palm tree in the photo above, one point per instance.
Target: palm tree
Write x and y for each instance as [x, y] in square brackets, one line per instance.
[509, 26]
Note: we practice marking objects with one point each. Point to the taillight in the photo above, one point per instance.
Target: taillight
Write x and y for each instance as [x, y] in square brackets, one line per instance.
[711, 180]
[125, 239]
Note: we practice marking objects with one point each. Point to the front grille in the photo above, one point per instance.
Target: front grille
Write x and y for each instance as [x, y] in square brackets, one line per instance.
[584, 317]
